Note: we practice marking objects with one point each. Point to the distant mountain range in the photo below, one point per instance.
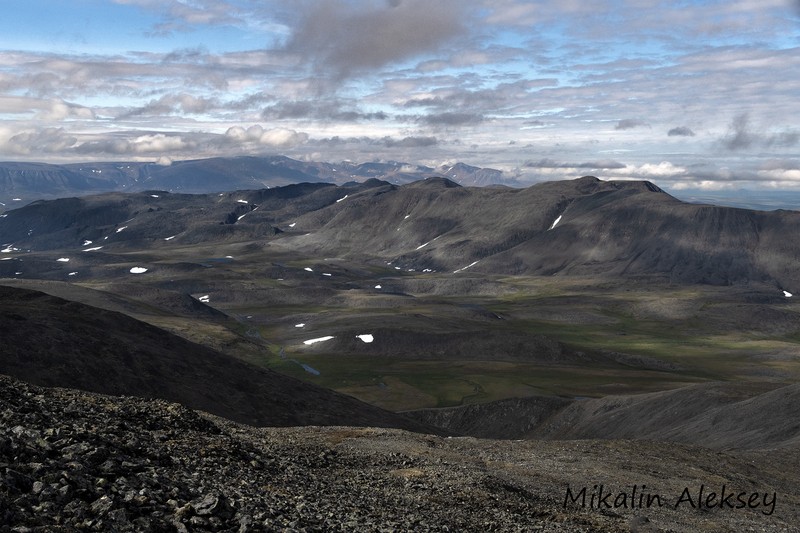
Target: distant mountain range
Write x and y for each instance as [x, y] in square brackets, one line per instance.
[579, 227]
[25, 182]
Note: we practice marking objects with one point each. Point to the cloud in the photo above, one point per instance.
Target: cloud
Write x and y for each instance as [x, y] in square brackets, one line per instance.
[282, 138]
[44, 109]
[343, 39]
[739, 136]
[680, 131]
[174, 104]
[60, 110]
[785, 139]
[664, 169]
[605, 164]
[452, 119]
[410, 142]
[630, 123]
[330, 110]
[277, 137]
[147, 144]
[106, 147]
[159, 143]
[780, 172]
[180, 15]
[47, 140]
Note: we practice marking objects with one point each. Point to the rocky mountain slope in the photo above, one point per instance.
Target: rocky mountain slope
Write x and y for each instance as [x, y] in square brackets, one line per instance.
[75, 461]
[583, 227]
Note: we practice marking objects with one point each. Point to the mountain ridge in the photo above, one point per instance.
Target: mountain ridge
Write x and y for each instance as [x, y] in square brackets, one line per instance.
[582, 227]
[716, 415]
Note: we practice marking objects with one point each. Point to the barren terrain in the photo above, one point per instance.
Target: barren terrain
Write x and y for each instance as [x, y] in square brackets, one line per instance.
[604, 333]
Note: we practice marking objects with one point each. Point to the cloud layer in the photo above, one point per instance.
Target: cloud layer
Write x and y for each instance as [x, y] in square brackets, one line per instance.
[701, 95]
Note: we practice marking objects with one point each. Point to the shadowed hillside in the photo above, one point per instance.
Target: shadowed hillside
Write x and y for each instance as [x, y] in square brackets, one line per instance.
[584, 227]
[54, 342]
[730, 416]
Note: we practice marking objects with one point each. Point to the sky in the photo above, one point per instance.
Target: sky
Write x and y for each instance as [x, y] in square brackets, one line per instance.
[687, 94]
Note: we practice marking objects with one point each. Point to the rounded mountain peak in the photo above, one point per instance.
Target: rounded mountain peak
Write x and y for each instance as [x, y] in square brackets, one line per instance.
[435, 182]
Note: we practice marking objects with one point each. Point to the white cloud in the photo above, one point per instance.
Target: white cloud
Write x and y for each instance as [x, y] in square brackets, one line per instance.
[60, 110]
[158, 143]
[282, 138]
[781, 176]
[276, 137]
[39, 141]
[660, 170]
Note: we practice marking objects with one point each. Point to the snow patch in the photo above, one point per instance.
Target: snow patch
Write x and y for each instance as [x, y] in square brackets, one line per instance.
[169, 238]
[300, 325]
[466, 267]
[205, 299]
[421, 246]
[308, 269]
[63, 259]
[293, 224]
[366, 338]
[72, 274]
[138, 270]
[86, 243]
[378, 287]
[154, 196]
[242, 201]
[326, 274]
[556, 221]
[318, 339]
[122, 228]
[340, 199]
[787, 294]
[92, 249]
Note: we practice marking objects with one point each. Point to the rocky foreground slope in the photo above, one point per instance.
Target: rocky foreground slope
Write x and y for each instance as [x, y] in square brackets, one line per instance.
[76, 461]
